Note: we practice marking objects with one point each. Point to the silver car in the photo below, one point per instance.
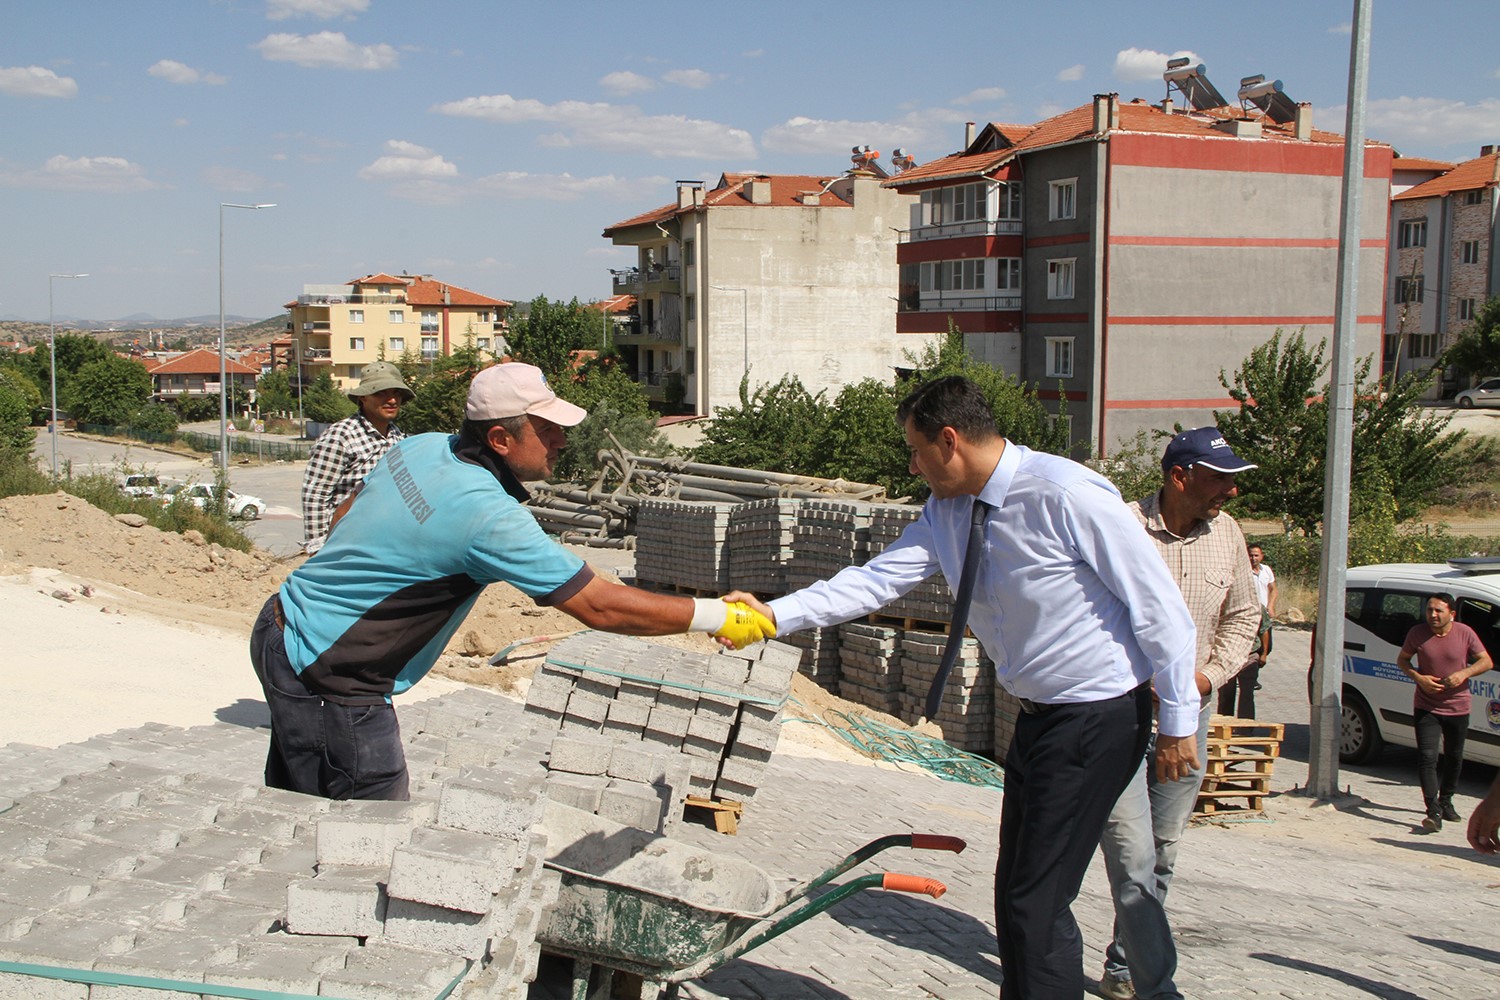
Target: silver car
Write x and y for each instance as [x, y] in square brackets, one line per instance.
[1486, 393]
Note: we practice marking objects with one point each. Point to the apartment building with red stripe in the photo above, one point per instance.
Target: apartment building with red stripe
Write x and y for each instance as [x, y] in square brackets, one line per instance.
[1119, 255]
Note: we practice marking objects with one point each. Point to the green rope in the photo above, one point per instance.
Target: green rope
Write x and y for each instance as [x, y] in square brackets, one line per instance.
[89, 976]
[899, 745]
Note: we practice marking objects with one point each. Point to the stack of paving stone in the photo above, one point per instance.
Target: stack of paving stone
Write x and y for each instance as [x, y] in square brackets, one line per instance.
[966, 714]
[721, 712]
[820, 654]
[828, 535]
[930, 601]
[761, 541]
[870, 666]
[626, 783]
[683, 544]
[158, 853]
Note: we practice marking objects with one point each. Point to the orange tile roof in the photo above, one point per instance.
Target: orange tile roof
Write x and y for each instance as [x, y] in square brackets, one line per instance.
[733, 191]
[154, 363]
[1420, 163]
[425, 292]
[379, 279]
[1480, 172]
[614, 304]
[202, 362]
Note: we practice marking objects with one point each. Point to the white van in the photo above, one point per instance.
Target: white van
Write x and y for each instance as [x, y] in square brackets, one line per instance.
[1381, 606]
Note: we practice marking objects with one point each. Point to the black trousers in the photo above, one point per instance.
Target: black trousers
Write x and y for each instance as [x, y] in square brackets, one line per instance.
[1439, 771]
[319, 747]
[1065, 770]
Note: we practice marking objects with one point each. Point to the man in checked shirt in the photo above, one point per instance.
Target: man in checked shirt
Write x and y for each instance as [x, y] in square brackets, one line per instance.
[347, 451]
[1204, 550]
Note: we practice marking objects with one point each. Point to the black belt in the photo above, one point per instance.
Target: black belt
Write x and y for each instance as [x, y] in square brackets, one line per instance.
[1035, 707]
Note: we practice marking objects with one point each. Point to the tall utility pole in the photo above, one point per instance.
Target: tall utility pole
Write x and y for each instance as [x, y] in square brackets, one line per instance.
[1328, 655]
[52, 362]
[224, 389]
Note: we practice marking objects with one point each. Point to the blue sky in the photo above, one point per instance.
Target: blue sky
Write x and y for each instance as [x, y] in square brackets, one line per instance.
[489, 143]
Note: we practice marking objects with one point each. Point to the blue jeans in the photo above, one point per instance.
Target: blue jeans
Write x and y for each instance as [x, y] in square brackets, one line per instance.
[1140, 850]
[319, 747]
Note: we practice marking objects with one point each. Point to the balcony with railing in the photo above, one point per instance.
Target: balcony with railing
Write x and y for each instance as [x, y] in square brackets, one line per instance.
[952, 230]
[352, 298]
[976, 301]
[655, 278]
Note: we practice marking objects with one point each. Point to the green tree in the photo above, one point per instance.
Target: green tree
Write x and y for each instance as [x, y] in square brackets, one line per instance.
[861, 442]
[440, 388]
[14, 377]
[108, 391]
[191, 409]
[273, 392]
[16, 433]
[155, 418]
[772, 429]
[323, 403]
[549, 332]
[618, 411]
[1477, 349]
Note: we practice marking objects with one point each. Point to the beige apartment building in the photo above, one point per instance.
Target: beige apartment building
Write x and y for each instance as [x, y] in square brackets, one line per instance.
[341, 328]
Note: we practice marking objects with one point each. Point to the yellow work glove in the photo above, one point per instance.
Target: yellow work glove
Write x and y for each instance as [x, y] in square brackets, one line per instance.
[737, 622]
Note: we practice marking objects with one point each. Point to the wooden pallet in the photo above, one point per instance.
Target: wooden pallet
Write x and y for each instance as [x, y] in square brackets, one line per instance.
[725, 813]
[1241, 756]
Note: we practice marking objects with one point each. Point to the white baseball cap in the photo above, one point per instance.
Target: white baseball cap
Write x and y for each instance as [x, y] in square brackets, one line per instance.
[513, 389]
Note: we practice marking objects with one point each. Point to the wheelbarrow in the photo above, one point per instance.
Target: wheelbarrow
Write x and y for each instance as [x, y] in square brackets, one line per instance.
[668, 913]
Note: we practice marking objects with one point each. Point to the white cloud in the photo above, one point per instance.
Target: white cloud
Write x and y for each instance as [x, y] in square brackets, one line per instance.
[222, 178]
[173, 71]
[181, 122]
[625, 82]
[93, 174]
[326, 49]
[980, 96]
[519, 185]
[1133, 64]
[816, 135]
[1424, 121]
[35, 81]
[406, 160]
[1347, 28]
[1074, 72]
[693, 79]
[615, 128]
[753, 54]
[324, 10]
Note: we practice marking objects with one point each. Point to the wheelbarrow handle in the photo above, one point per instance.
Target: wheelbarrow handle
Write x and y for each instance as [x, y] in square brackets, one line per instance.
[921, 841]
[897, 882]
[937, 842]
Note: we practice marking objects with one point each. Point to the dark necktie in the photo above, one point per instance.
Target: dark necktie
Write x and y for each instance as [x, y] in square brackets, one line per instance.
[973, 556]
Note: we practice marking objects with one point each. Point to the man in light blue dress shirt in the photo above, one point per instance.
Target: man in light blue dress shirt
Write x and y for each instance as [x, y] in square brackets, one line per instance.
[1080, 617]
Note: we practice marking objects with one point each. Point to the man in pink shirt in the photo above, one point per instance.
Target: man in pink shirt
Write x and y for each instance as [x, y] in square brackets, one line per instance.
[1448, 653]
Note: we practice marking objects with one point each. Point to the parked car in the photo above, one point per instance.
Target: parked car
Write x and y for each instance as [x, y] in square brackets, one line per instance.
[1381, 605]
[142, 486]
[1486, 393]
[241, 505]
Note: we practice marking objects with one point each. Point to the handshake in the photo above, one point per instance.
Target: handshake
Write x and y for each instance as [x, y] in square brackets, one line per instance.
[733, 622]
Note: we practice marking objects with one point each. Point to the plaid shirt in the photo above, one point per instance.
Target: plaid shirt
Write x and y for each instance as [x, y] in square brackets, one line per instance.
[344, 454]
[1213, 573]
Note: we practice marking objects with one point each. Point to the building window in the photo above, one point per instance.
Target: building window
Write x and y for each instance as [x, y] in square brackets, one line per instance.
[1059, 357]
[483, 343]
[356, 343]
[1421, 345]
[962, 203]
[356, 315]
[1475, 197]
[397, 315]
[429, 321]
[1470, 251]
[429, 348]
[1465, 309]
[1060, 278]
[1061, 199]
[1010, 201]
[1413, 233]
[398, 345]
[954, 275]
[1009, 278]
[1409, 290]
[908, 287]
[688, 258]
[690, 307]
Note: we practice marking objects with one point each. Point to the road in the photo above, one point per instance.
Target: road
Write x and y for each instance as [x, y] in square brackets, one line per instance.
[279, 484]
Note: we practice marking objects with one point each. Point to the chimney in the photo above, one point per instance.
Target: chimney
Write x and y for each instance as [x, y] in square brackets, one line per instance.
[689, 194]
[1486, 150]
[760, 190]
[1106, 112]
[968, 134]
[810, 198]
[1166, 106]
[1302, 124]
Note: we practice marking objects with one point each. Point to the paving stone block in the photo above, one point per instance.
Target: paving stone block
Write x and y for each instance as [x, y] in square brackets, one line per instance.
[341, 901]
[15, 920]
[134, 903]
[436, 928]
[632, 804]
[707, 729]
[231, 917]
[42, 886]
[258, 887]
[91, 859]
[504, 803]
[668, 721]
[586, 707]
[629, 713]
[386, 971]
[452, 879]
[581, 791]
[283, 963]
[579, 756]
[56, 939]
[636, 763]
[502, 853]
[164, 955]
[17, 987]
[365, 833]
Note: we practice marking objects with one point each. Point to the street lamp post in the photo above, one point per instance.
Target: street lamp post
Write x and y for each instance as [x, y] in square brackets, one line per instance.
[223, 389]
[52, 362]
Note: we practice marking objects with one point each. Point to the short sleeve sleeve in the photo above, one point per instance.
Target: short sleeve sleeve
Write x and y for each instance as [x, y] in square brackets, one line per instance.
[512, 547]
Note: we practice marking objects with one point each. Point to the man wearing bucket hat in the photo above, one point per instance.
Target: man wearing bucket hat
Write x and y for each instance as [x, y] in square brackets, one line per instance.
[438, 519]
[347, 451]
[1204, 550]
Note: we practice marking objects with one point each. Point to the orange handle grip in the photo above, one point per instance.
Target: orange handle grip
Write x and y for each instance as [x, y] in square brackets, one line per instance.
[934, 842]
[913, 883]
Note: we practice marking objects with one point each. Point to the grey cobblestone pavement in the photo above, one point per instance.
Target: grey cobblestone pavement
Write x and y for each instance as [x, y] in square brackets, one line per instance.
[1311, 901]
